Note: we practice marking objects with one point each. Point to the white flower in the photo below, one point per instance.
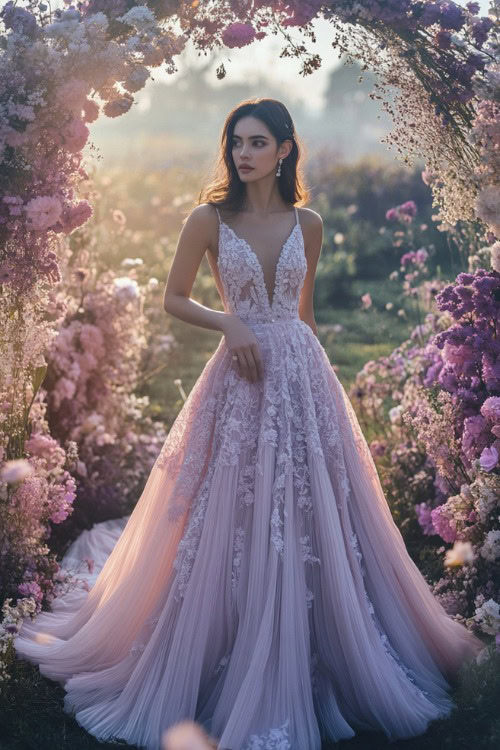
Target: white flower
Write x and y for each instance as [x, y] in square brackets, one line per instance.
[491, 547]
[140, 18]
[126, 289]
[495, 256]
[15, 470]
[488, 616]
[488, 207]
[461, 553]
[395, 414]
[129, 262]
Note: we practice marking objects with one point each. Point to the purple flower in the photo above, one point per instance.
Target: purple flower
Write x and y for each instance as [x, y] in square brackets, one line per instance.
[424, 518]
[451, 16]
[443, 39]
[443, 526]
[20, 20]
[489, 457]
[473, 8]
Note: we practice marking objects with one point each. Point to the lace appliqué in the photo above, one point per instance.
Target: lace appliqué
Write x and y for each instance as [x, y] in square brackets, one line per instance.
[306, 551]
[237, 550]
[389, 649]
[274, 739]
[243, 282]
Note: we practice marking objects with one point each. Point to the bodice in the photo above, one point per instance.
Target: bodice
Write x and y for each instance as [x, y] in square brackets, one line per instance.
[243, 282]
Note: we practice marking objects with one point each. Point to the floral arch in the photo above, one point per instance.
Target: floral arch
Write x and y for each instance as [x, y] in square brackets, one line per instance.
[445, 60]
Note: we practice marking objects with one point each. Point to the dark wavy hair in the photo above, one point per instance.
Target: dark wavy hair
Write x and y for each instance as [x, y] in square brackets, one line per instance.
[225, 188]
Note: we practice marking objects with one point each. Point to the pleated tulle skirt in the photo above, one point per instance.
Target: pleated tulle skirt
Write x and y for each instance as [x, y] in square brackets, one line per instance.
[260, 586]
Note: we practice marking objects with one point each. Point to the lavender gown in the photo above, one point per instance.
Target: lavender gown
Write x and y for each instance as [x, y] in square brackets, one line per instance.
[260, 586]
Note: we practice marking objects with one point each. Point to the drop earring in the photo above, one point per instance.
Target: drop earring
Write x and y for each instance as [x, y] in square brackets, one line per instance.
[279, 168]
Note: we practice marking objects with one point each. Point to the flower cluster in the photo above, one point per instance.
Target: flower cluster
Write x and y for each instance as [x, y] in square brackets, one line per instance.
[471, 362]
[44, 124]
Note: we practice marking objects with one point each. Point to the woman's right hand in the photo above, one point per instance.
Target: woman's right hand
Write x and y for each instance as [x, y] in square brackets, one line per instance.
[241, 341]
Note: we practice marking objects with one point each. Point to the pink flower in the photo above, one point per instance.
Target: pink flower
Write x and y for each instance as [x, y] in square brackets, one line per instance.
[489, 458]
[72, 94]
[118, 106]
[75, 135]
[366, 300]
[444, 526]
[41, 445]
[90, 110]
[43, 212]
[238, 34]
[74, 216]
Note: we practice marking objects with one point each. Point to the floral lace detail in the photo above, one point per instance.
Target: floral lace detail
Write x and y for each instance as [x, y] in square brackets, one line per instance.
[237, 550]
[227, 421]
[243, 282]
[246, 485]
[222, 664]
[274, 739]
[315, 672]
[186, 550]
[389, 649]
[306, 550]
[355, 545]
[309, 597]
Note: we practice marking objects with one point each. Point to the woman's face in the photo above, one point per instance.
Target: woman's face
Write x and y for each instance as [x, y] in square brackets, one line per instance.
[254, 146]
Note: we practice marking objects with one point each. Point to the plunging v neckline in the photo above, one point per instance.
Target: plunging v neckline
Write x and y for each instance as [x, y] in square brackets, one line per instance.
[259, 264]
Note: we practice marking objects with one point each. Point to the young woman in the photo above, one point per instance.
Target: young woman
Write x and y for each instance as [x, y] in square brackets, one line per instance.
[260, 587]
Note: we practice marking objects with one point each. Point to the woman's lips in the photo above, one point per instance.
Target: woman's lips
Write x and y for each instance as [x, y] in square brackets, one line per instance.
[246, 169]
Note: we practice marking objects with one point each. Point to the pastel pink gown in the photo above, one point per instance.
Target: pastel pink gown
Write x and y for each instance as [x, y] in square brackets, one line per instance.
[260, 586]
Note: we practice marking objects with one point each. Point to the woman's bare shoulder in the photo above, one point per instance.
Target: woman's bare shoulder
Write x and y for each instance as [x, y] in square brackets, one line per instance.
[202, 214]
[309, 218]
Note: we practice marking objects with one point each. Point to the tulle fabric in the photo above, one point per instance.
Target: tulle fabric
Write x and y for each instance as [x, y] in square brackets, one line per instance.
[260, 586]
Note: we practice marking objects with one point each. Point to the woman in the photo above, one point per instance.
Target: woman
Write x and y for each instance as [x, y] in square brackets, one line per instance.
[260, 587]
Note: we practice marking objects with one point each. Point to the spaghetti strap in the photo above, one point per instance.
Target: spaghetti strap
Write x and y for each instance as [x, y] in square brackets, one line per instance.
[296, 214]
[218, 214]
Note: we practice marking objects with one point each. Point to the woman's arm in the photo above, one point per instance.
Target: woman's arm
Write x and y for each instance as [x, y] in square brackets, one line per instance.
[199, 231]
[312, 230]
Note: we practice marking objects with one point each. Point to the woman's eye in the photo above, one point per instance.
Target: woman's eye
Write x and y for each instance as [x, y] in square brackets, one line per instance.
[260, 143]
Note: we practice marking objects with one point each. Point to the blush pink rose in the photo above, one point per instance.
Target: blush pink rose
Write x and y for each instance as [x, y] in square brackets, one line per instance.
[43, 212]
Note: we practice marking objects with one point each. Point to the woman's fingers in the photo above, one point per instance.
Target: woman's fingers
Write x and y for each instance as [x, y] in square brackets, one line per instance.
[250, 363]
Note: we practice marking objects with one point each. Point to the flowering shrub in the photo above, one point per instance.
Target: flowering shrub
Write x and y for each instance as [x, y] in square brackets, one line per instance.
[93, 369]
[434, 411]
